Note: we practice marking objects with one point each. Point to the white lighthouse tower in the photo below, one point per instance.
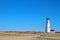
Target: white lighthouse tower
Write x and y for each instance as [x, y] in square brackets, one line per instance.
[47, 25]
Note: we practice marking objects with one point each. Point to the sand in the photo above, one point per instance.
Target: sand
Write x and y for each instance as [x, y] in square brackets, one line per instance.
[28, 38]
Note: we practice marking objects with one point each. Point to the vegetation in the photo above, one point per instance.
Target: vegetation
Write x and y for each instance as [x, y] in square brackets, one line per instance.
[29, 33]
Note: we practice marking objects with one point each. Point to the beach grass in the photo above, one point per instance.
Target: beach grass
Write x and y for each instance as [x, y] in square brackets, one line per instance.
[29, 34]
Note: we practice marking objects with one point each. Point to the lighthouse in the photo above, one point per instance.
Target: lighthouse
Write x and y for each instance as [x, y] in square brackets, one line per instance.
[47, 25]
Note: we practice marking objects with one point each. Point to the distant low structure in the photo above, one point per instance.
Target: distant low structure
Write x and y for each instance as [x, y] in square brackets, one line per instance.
[52, 31]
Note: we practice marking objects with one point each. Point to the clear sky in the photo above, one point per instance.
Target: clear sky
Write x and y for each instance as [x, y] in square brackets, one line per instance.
[29, 15]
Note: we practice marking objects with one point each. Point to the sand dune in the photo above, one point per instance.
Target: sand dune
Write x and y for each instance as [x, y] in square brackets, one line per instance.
[29, 36]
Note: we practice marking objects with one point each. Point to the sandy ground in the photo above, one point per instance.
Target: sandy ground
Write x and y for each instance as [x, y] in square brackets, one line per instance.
[28, 38]
[15, 37]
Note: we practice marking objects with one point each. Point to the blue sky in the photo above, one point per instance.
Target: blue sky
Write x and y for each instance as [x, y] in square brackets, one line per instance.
[29, 15]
